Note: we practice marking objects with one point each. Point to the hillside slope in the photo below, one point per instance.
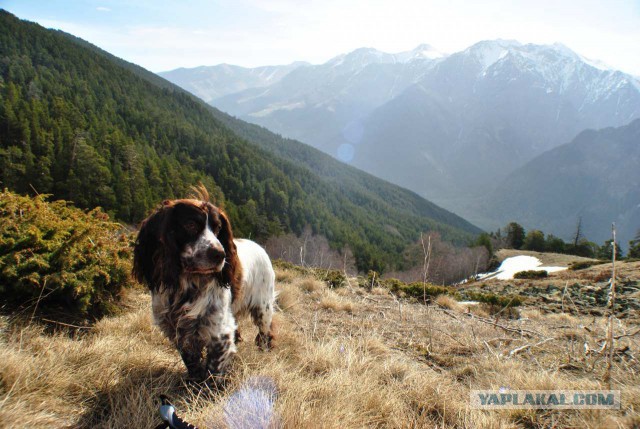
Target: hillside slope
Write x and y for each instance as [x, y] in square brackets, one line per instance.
[345, 358]
[84, 126]
[594, 177]
[448, 128]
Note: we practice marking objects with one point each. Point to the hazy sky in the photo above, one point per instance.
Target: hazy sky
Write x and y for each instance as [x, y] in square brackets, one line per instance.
[162, 34]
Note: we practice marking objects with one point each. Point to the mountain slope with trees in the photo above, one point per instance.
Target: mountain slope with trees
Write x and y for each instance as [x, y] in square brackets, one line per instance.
[79, 124]
[593, 180]
[450, 128]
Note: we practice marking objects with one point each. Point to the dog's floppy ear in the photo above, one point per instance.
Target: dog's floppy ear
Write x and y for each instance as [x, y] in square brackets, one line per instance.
[232, 271]
[155, 255]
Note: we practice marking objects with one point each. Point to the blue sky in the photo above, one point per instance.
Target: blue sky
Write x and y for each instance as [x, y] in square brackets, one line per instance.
[162, 35]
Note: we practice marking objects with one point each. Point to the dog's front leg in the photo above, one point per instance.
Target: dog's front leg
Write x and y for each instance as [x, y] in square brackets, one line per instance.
[193, 361]
[220, 352]
[191, 346]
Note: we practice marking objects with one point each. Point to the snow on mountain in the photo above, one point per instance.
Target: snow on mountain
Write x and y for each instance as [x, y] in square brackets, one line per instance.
[364, 56]
[211, 82]
[360, 58]
[421, 52]
[448, 127]
[487, 53]
[556, 67]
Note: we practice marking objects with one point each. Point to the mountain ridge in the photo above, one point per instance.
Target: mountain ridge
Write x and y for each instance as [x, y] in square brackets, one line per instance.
[451, 129]
[107, 132]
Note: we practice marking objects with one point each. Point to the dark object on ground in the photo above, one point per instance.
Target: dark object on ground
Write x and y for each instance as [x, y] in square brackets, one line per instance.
[531, 274]
[170, 418]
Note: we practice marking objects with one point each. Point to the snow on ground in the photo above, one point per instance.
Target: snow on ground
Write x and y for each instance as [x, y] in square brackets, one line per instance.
[512, 265]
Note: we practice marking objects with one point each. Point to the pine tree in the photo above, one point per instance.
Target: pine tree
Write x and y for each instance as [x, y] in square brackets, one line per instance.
[515, 235]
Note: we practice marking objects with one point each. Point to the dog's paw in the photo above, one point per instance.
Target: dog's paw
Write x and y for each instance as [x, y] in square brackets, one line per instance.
[264, 341]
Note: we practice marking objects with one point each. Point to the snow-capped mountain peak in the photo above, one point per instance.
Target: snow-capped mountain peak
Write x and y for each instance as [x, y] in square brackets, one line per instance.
[365, 56]
[361, 57]
[420, 52]
[488, 52]
[555, 66]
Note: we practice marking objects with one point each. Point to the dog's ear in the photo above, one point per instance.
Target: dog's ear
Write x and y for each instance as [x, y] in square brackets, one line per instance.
[155, 255]
[232, 271]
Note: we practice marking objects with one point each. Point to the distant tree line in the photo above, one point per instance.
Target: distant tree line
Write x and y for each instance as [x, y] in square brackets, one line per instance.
[514, 236]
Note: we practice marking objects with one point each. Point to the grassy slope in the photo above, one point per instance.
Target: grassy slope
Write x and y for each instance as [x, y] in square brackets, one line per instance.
[345, 358]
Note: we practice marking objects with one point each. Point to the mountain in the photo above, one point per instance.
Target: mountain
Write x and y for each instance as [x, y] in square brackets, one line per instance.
[315, 103]
[447, 127]
[83, 125]
[595, 177]
[481, 113]
[211, 82]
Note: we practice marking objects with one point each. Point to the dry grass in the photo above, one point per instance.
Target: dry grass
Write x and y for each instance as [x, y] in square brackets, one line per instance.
[447, 301]
[336, 304]
[383, 364]
[311, 285]
[285, 276]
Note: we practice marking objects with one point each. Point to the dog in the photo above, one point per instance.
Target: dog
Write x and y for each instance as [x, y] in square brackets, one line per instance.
[202, 280]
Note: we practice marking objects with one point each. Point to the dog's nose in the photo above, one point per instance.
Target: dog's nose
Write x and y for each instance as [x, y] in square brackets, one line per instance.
[215, 255]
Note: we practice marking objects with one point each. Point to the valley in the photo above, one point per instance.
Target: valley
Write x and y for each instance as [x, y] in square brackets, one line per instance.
[460, 129]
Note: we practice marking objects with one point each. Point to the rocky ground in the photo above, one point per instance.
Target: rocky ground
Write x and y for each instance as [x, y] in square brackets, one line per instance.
[579, 292]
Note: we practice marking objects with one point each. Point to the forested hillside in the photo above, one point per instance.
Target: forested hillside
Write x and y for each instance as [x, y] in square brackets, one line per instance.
[78, 124]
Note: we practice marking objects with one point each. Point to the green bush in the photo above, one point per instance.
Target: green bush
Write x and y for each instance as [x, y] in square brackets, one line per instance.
[286, 265]
[498, 300]
[372, 280]
[61, 257]
[575, 266]
[531, 274]
[419, 290]
[334, 278]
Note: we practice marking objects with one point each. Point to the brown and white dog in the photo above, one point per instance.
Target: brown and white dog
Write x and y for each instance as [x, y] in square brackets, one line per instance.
[201, 281]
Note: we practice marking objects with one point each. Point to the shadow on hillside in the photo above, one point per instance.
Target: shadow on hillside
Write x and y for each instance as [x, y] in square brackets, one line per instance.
[134, 401]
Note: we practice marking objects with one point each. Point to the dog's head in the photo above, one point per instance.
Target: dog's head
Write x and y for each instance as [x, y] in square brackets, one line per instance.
[185, 237]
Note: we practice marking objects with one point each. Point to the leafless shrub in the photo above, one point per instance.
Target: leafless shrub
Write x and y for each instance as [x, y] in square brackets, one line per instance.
[310, 251]
[448, 264]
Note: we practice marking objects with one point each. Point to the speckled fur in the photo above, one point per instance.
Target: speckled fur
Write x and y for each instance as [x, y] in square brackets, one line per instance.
[198, 311]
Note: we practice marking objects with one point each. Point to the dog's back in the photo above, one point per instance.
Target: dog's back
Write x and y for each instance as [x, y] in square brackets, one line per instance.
[258, 284]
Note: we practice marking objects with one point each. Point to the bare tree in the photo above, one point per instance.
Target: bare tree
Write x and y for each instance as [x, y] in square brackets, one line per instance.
[311, 251]
[611, 304]
[578, 235]
[442, 262]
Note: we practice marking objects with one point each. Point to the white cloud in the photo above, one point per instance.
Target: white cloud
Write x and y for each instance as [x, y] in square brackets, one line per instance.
[103, 9]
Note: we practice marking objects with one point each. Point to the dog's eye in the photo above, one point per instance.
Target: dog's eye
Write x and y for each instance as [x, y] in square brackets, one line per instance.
[191, 227]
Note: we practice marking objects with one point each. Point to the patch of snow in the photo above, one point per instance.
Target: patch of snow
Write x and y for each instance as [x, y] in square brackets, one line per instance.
[597, 64]
[423, 51]
[277, 106]
[515, 264]
[488, 53]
